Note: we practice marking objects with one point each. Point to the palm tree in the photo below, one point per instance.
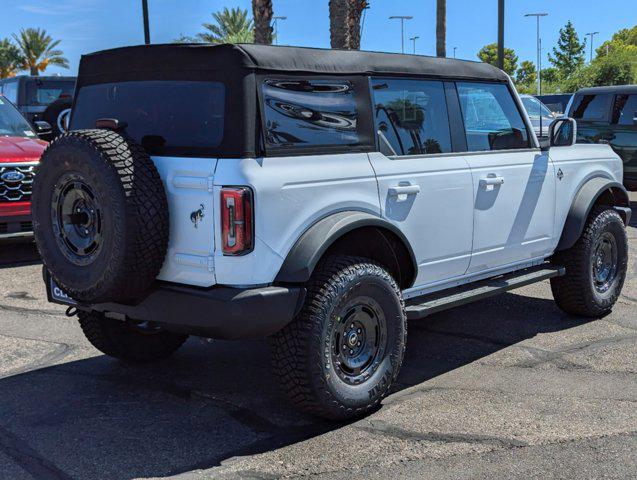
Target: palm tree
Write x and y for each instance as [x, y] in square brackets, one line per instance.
[345, 23]
[262, 13]
[233, 26]
[356, 8]
[37, 50]
[9, 58]
[339, 31]
[441, 28]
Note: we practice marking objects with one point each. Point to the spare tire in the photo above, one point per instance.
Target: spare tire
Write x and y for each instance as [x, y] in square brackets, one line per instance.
[57, 115]
[100, 216]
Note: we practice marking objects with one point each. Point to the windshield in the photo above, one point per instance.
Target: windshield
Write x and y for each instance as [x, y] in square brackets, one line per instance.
[533, 107]
[44, 92]
[12, 124]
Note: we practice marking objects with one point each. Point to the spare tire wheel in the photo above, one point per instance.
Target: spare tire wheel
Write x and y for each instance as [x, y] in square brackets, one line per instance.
[100, 216]
[57, 115]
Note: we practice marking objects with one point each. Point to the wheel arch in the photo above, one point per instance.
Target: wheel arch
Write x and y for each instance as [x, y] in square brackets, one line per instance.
[596, 191]
[351, 233]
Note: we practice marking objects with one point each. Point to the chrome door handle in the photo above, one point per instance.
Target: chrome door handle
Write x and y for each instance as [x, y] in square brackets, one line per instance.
[397, 190]
[492, 181]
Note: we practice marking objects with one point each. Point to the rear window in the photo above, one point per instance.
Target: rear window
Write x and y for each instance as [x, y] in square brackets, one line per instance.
[166, 117]
[44, 92]
[310, 113]
[591, 107]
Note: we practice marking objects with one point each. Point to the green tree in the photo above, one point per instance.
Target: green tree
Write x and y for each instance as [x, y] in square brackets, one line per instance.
[9, 59]
[37, 50]
[569, 53]
[232, 26]
[526, 74]
[489, 54]
[617, 68]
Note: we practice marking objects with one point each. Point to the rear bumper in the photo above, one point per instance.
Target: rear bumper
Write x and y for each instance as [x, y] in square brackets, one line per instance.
[218, 312]
[15, 226]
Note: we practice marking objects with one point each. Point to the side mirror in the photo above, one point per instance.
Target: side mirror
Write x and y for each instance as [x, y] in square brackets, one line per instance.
[42, 127]
[562, 132]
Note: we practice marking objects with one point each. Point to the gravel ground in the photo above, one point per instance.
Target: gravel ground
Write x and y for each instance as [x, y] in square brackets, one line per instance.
[505, 387]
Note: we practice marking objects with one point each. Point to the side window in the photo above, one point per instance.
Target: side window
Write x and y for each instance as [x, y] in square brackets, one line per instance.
[308, 113]
[591, 107]
[625, 110]
[492, 120]
[10, 91]
[411, 116]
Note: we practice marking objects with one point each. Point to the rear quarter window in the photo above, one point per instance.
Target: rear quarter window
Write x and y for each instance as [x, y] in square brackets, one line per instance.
[595, 107]
[165, 117]
[310, 113]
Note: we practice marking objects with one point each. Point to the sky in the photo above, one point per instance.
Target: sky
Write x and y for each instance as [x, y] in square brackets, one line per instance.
[85, 26]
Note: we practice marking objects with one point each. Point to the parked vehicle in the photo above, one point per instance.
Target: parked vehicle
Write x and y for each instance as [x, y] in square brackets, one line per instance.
[41, 98]
[556, 103]
[20, 151]
[541, 117]
[319, 197]
[609, 115]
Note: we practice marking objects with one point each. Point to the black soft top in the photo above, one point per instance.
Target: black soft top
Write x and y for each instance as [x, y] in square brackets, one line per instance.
[613, 89]
[188, 59]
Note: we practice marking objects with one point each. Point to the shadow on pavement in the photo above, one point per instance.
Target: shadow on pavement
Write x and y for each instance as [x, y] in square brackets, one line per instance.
[18, 253]
[100, 418]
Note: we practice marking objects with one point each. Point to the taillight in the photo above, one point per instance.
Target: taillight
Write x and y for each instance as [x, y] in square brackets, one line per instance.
[237, 231]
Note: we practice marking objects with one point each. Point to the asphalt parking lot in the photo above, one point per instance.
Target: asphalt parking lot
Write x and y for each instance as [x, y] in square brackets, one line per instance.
[505, 387]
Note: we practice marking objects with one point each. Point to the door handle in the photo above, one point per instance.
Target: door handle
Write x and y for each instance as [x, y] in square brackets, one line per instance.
[490, 182]
[397, 190]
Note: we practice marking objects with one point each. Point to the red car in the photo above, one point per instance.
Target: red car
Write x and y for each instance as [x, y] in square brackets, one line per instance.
[20, 150]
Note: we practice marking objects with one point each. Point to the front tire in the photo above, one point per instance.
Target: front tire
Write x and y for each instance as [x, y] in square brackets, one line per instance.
[340, 355]
[129, 341]
[595, 266]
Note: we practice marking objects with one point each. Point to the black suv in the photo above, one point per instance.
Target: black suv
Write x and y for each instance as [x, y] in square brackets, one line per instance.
[41, 98]
[609, 115]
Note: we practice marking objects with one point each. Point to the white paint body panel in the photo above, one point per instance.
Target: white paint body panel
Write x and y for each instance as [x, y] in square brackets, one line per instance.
[290, 195]
[513, 221]
[438, 220]
[188, 184]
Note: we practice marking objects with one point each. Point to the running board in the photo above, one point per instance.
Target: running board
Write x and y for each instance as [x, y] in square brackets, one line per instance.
[420, 307]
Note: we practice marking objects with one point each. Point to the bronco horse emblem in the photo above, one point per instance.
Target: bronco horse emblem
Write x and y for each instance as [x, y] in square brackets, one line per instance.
[197, 215]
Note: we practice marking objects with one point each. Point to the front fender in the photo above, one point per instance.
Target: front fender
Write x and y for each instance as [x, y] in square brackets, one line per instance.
[583, 204]
[311, 245]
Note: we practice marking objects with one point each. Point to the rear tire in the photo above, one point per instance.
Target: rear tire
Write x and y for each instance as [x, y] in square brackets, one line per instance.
[595, 266]
[129, 341]
[340, 355]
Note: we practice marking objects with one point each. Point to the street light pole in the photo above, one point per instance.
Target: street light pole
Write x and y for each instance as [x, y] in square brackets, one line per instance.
[146, 24]
[592, 34]
[276, 28]
[413, 39]
[539, 48]
[501, 34]
[402, 19]
[454, 51]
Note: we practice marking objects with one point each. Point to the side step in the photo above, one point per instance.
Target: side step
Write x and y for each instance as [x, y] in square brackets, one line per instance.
[420, 307]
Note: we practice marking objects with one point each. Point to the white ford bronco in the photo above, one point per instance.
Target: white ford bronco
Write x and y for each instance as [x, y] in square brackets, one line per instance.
[320, 198]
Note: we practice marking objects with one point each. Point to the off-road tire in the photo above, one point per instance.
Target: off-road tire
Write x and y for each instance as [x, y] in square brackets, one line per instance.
[301, 351]
[52, 114]
[125, 341]
[134, 216]
[574, 292]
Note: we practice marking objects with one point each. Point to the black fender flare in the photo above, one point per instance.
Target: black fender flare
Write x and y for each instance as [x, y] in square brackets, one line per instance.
[315, 241]
[583, 204]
